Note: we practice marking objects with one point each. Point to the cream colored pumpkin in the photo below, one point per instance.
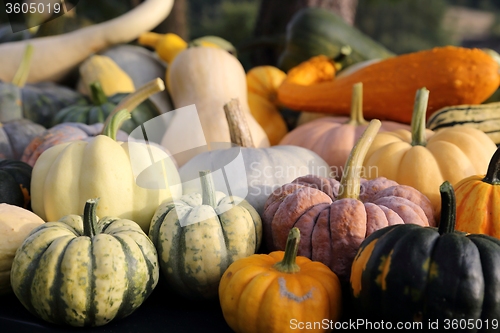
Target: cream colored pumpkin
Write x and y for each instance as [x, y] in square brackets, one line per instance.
[208, 78]
[15, 225]
[128, 177]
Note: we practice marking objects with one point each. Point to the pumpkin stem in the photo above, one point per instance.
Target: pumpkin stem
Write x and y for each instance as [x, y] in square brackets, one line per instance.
[97, 95]
[89, 217]
[111, 128]
[493, 174]
[207, 188]
[418, 137]
[357, 118]
[23, 71]
[351, 175]
[238, 125]
[137, 97]
[448, 209]
[289, 264]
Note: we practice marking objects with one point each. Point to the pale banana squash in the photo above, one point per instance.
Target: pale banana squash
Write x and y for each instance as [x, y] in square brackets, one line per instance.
[56, 56]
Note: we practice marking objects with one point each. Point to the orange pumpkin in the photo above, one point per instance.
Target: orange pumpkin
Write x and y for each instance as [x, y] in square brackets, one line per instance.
[333, 138]
[262, 86]
[478, 201]
[275, 292]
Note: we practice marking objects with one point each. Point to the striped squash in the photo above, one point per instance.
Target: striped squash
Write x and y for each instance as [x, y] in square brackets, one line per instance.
[198, 236]
[484, 117]
[81, 271]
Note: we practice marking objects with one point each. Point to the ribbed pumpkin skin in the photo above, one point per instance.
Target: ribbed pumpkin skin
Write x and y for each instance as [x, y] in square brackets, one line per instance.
[332, 229]
[194, 255]
[410, 273]
[332, 138]
[450, 154]
[478, 206]
[67, 278]
[477, 201]
[255, 297]
[101, 167]
[15, 180]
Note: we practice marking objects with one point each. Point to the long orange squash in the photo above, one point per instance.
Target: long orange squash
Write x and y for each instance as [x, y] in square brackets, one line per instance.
[453, 75]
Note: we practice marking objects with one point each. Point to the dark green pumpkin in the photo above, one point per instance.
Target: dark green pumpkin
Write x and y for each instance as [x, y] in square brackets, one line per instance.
[15, 180]
[411, 273]
[98, 108]
[313, 31]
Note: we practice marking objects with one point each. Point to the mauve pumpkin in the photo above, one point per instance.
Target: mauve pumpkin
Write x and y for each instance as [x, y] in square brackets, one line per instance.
[335, 217]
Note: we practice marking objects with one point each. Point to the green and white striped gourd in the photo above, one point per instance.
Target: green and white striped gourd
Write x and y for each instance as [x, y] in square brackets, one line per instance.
[484, 117]
[81, 271]
[198, 236]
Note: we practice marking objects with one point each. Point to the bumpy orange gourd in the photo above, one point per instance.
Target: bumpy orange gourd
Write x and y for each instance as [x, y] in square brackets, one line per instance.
[278, 292]
[424, 159]
[333, 138]
[478, 198]
[262, 86]
[455, 75]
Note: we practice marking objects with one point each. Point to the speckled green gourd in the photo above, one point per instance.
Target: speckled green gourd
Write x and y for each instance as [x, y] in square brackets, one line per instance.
[81, 271]
[198, 236]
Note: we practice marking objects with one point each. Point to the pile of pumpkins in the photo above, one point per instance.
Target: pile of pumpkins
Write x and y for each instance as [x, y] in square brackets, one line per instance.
[339, 217]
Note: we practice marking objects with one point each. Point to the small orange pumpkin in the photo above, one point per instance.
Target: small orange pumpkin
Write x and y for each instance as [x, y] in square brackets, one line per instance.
[262, 86]
[478, 198]
[275, 292]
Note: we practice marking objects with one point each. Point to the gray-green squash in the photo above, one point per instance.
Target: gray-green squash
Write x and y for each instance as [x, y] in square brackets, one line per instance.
[81, 271]
[198, 236]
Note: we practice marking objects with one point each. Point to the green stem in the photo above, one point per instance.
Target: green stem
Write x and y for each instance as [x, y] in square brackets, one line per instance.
[289, 264]
[418, 137]
[97, 95]
[89, 217]
[137, 97]
[207, 188]
[112, 127]
[493, 174]
[23, 71]
[357, 118]
[351, 176]
[448, 209]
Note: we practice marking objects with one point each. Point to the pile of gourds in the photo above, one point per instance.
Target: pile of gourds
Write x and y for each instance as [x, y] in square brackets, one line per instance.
[103, 187]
